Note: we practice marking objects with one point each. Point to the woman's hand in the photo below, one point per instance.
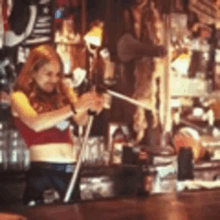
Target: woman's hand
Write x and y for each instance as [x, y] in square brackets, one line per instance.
[90, 101]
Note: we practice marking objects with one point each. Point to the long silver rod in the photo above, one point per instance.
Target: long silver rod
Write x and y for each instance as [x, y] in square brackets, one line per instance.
[167, 76]
[78, 165]
[128, 99]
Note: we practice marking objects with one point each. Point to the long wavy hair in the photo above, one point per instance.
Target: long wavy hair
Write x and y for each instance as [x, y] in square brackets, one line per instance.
[40, 100]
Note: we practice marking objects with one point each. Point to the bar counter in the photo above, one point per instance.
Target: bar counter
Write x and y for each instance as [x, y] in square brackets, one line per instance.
[201, 205]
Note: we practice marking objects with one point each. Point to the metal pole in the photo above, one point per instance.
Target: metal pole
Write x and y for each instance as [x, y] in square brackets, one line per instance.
[79, 162]
[130, 100]
[167, 125]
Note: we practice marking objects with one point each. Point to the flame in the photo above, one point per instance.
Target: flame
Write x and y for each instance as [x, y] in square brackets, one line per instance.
[94, 36]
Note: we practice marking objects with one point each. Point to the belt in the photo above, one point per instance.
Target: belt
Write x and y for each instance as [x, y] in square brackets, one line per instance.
[67, 168]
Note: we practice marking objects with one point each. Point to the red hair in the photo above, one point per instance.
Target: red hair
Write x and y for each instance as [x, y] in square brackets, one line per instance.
[40, 101]
[38, 57]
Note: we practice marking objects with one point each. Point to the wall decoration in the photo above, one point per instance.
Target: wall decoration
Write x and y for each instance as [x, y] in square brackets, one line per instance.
[206, 10]
[30, 24]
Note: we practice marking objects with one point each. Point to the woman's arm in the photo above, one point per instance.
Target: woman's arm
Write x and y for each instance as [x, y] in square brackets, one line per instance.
[81, 118]
[21, 107]
[90, 100]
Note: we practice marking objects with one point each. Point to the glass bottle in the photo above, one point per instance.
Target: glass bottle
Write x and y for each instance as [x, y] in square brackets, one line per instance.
[119, 139]
[3, 146]
[15, 151]
[143, 171]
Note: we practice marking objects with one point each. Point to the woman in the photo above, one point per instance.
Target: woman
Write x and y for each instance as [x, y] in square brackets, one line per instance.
[42, 106]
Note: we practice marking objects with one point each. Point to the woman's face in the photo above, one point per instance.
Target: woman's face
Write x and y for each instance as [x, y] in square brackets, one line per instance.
[48, 76]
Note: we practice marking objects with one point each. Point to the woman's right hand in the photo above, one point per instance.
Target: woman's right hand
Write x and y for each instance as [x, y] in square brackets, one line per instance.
[89, 101]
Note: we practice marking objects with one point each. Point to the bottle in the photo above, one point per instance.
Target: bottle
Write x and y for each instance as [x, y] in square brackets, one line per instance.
[185, 164]
[15, 151]
[7, 78]
[119, 139]
[25, 156]
[3, 146]
[143, 171]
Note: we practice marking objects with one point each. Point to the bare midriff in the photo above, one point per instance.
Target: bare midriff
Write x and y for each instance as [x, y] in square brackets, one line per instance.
[52, 152]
